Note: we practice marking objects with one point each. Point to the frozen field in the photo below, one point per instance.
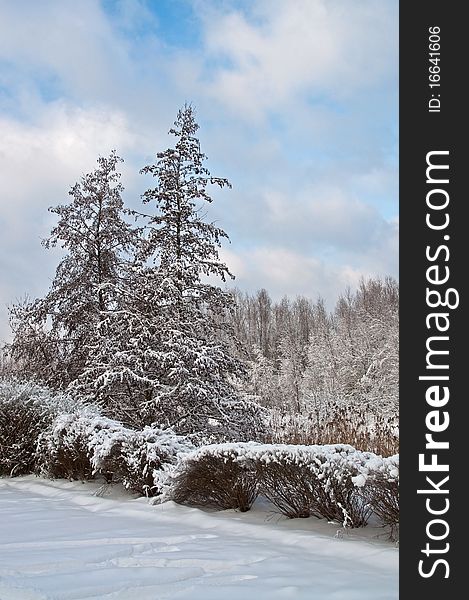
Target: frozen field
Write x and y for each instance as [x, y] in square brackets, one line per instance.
[61, 541]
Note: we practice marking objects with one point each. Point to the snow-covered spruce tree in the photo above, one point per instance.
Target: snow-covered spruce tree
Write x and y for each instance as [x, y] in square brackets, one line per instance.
[164, 359]
[52, 335]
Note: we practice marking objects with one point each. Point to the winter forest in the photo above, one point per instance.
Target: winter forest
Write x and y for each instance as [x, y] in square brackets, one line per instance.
[144, 366]
[139, 320]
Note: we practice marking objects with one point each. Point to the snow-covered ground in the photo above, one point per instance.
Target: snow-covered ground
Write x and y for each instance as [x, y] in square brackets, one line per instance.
[64, 540]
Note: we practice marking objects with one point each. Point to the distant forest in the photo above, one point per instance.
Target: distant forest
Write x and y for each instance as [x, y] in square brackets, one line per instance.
[304, 359]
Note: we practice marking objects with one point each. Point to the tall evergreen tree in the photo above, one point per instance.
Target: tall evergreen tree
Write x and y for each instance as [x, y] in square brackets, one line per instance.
[52, 334]
[165, 356]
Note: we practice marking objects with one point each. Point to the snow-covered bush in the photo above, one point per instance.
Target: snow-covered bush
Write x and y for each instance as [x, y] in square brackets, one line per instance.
[313, 480]
[141, 460]
[64, 448]
[379, 479]
[299, 480]
[26, 410]
[213, 476]
[84, 444]
[288, 485]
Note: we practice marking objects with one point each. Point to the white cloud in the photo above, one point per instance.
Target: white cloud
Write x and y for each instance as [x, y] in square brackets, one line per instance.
[300, 47]
[285, 272]
[74, 48]
[324, 215]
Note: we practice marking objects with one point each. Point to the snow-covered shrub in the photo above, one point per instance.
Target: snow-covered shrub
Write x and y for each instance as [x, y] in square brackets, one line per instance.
[213, 476]
[84, 444]
[288, 485]
[26, 410]
[339, 499]
[141, 460]
[299, 480]
[313, 480]
[64, 448]
[379, 479]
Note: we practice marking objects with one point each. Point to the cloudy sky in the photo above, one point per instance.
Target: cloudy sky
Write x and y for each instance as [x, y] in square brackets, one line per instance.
[297, 103]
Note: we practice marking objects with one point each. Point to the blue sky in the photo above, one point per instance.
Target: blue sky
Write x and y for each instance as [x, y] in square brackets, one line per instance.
[297, 103]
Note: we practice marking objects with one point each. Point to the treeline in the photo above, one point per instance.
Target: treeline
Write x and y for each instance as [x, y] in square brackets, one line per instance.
[304, 359]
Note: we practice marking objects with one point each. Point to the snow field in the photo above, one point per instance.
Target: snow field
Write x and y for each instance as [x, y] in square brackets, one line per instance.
[62, 541]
